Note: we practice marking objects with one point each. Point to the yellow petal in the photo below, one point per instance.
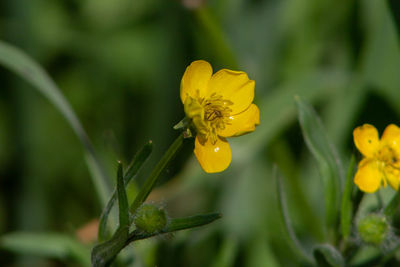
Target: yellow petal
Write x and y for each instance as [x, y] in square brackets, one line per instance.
[234, 86]
[393, 176]
[368, 177]
[195, 79]
[213, 158]
[366, 139]
[391, 137]
[242, 123]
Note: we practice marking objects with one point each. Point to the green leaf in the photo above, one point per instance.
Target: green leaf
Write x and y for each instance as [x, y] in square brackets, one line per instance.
[328, 162]
[152, 179]
[51, 245]
[393, 205]
[346, 210]
[17, 61]
[177, 225]
[104, 253]
[138, 160]
[122, 199]
[327, 255]
[286, 222]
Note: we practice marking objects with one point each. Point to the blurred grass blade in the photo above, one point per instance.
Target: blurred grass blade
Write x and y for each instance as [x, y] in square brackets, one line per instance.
[122, 198]
[393, 205]
[177, 225]
[49, 245]
[346, 210]
[20, 63]
[137, 162]
[215, 35]
[327, 255]
[328, 161]
[286, 222]
[150, 181]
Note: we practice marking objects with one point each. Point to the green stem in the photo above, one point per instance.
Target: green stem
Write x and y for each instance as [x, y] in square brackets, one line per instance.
[174, 225]
[393, 205]
[153, 177]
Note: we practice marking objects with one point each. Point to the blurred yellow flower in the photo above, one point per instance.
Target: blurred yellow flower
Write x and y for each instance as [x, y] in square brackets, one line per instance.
[381, 162]
[219, 106]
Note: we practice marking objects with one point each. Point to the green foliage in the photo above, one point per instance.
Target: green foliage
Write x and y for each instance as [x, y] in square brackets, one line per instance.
[51, 245]
[119, 64]
[150, 219]
[329, 163]
[373, 229]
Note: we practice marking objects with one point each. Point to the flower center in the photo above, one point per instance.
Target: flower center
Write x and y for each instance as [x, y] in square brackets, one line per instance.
[389, 162]
[387, 156]
[216, 115]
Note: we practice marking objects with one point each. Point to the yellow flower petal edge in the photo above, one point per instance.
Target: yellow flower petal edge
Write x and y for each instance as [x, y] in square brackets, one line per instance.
[391, 136]
[368, 178]
[366, 139]
[195, 80]
[217, 106]
[234, 86]
[242, 123]
[381, 158]
[213, 157]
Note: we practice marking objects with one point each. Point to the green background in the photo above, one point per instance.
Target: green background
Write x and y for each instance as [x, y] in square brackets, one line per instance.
[119, 64]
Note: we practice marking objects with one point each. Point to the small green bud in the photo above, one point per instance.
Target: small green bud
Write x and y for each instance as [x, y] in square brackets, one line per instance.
[150, 219]
[374, 229]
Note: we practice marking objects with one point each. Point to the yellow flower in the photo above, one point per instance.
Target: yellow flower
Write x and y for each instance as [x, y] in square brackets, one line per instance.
[381, 161]
[220, 106]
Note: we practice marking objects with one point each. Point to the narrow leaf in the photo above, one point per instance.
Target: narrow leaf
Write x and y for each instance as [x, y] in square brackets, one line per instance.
[138, 160]
[289, 231]
[104, 253]
[17, 61]
[122, 198]
[328, 162]
[327, 255]
[51, 245]
[393, 205]
[346, 210]
[177, 225]
[153, 177]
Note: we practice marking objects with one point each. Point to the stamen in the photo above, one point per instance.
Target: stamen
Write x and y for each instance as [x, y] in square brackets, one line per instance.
[216, 114]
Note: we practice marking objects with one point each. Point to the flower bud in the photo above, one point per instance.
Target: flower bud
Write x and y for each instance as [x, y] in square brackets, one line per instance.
[150, 219]
[374, 229]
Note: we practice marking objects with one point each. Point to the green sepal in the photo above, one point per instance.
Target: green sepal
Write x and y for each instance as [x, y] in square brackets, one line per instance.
[329, 164]
[328, 255]
[137, 162]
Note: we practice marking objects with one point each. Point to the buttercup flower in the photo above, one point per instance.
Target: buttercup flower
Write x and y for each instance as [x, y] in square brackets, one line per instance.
[219, 106]
[381, 161]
